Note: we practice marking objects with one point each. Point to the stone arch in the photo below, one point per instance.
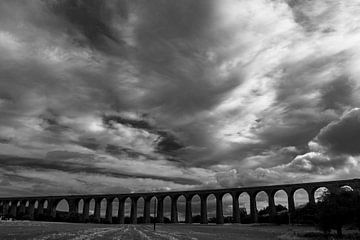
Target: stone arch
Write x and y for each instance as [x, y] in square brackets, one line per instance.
[13, 208]
[281, 198]
[127, 209]
[301, 197]
[318, 192]
[80, 205]
[167, 209]
[103, 205]
[62, 205]
[227, 206]
[140, 210]
[153, 208]
[91, 209]
[262, 201]
[346, 188]
[27, 203]
[195, 208]
[61, 209]
[244, 205]
[181, 207]
[115, 209]
[211, 207]
[46, 204]
[36, 204]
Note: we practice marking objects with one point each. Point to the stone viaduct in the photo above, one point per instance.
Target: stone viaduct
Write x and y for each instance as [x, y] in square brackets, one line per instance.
[32, 207]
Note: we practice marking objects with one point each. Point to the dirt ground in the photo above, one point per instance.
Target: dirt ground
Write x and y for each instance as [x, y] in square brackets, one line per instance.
[47, 230]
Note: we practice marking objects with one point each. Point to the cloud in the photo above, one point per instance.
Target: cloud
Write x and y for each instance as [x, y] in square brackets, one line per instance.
[313, 162]
[170, 93]
[342, 135]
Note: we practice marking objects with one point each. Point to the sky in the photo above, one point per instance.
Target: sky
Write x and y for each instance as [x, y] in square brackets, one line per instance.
[138, 96]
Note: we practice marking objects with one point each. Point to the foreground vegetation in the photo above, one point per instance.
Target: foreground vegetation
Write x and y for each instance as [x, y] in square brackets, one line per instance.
[24, 230]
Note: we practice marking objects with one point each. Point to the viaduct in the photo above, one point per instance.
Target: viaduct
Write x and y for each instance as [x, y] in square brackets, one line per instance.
[32, 207]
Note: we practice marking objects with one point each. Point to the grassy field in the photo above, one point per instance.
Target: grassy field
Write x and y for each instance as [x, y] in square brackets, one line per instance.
[47, 230]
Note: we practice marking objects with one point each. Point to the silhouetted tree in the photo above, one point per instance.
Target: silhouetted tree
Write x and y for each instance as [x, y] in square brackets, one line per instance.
[266, 210]
[335, 209]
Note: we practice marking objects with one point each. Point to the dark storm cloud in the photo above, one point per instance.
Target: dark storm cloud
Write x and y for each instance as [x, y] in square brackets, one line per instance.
[109, 120]
[168, 143]
[117, 150]
[51, 122]
[342, 136]
[5, 140]
[170, 47]
[77, 163]
[338, 94]
[90, 143]
[91, 18]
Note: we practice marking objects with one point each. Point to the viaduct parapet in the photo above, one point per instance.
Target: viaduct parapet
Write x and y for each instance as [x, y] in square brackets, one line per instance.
[44, 207]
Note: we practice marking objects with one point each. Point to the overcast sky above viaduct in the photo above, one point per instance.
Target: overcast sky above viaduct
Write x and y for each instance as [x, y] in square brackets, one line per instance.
[124, 96]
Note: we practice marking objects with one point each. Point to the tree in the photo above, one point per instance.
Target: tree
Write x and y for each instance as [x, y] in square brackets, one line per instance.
[336, 209]
[266, 210]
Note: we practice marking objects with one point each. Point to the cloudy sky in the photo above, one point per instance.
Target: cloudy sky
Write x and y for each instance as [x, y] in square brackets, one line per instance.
[128, 96]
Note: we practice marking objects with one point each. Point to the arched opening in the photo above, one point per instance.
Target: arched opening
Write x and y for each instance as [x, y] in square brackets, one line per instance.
[36, 204]
[81, 206]
[244, 207]
[195, 208]
[211, 208]
[181, 207]
[103, 205]
[262, 206]
[26, 209]
[62, 206]
[115, 210]
[301, 198]
[227, 203]
[91, 210]
[62, 209]
[281, 207]
[346, 188]
[153, 207]
[127, 210]
[167, 209]
[46, 210]
[46, 204]
[140, 210]
[13, 208]
[319, 192]
[281, 201]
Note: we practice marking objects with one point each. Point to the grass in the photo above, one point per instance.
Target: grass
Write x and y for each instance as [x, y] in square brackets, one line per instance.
[78, 231]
